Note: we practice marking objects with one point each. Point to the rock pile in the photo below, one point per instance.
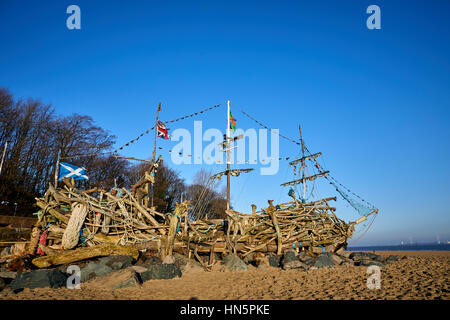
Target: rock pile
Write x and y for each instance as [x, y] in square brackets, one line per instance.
[121, 271]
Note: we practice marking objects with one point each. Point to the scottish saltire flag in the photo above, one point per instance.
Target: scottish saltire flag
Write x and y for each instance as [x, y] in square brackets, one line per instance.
[67, 170]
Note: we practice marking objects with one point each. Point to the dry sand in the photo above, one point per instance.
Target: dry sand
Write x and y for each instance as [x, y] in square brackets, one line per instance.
[421, 275]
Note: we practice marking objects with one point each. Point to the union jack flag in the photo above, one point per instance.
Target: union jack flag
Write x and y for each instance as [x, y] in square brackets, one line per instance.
[162, 130]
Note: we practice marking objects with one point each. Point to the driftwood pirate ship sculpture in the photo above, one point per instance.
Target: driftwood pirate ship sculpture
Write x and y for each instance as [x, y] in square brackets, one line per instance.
[76, 225]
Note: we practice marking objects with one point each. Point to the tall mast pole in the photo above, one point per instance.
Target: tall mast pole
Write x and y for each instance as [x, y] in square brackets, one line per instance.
[227, 146]
[154, 150]
[303, 162]
[156, 132]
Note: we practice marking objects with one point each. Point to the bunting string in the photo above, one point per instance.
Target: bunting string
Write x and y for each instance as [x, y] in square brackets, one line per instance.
[142, 134]
[266, 127]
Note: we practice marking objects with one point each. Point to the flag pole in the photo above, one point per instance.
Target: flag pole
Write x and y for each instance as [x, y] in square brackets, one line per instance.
[154, 150]
[57, 169]
[227, 145]
[156, 132]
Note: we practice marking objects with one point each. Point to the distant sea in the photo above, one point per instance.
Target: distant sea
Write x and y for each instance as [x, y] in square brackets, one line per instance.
[405, 247]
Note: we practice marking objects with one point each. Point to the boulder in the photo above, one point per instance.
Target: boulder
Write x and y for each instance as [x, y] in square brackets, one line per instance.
[234, 263]
[180, 260]
[295, 264]
[274, 261]
[161, 271]
[116, 262]
[362, 256]
[93, 270]
[186, 264]
[290, 261]
[124, 278]
[288, 256]
[391, 259]
[323, 261]
[50, 278]
[308, 260]
[147, 261]
[367, 263]
[380, 258]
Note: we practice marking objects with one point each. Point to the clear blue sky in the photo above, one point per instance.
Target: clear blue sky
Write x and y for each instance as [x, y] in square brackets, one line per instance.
[375, 102]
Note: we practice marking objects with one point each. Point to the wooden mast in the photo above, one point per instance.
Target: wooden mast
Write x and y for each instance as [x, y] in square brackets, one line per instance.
[227, 146]
[154, 150]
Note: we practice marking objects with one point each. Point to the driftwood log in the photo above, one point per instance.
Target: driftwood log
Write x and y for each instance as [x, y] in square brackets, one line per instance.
[79, 254]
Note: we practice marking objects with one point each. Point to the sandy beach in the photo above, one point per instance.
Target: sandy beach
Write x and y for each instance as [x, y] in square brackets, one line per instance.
[417, 276]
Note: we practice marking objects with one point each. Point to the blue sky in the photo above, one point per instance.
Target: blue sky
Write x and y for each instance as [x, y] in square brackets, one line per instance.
[374, 102]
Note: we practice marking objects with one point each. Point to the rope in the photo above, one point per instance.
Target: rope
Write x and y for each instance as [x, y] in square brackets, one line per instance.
[72, 233]
[266, 127]
[364, 233]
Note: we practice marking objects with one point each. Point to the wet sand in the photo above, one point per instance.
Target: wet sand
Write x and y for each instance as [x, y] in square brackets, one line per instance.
[420, 275]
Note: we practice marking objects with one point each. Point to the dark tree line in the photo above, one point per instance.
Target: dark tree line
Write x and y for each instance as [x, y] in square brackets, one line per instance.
[34, 135]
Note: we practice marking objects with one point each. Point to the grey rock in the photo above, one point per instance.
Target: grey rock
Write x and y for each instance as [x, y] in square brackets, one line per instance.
[391, 258]
[116, 262]
[295, 264]
[180, 260]
[274, 261]
[323, 261]
[367, 263]
[288, 256]
[362, 256]
[148, 261]
[51, 278]
[93, 270]
[161, 271]
[380, 258]
[118, 279]
[290, 261]
[309, 261]
[234, 263]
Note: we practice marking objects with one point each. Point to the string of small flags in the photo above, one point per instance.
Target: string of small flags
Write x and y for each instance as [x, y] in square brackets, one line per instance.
[266, 127]
[170, 121]
[142, 134]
